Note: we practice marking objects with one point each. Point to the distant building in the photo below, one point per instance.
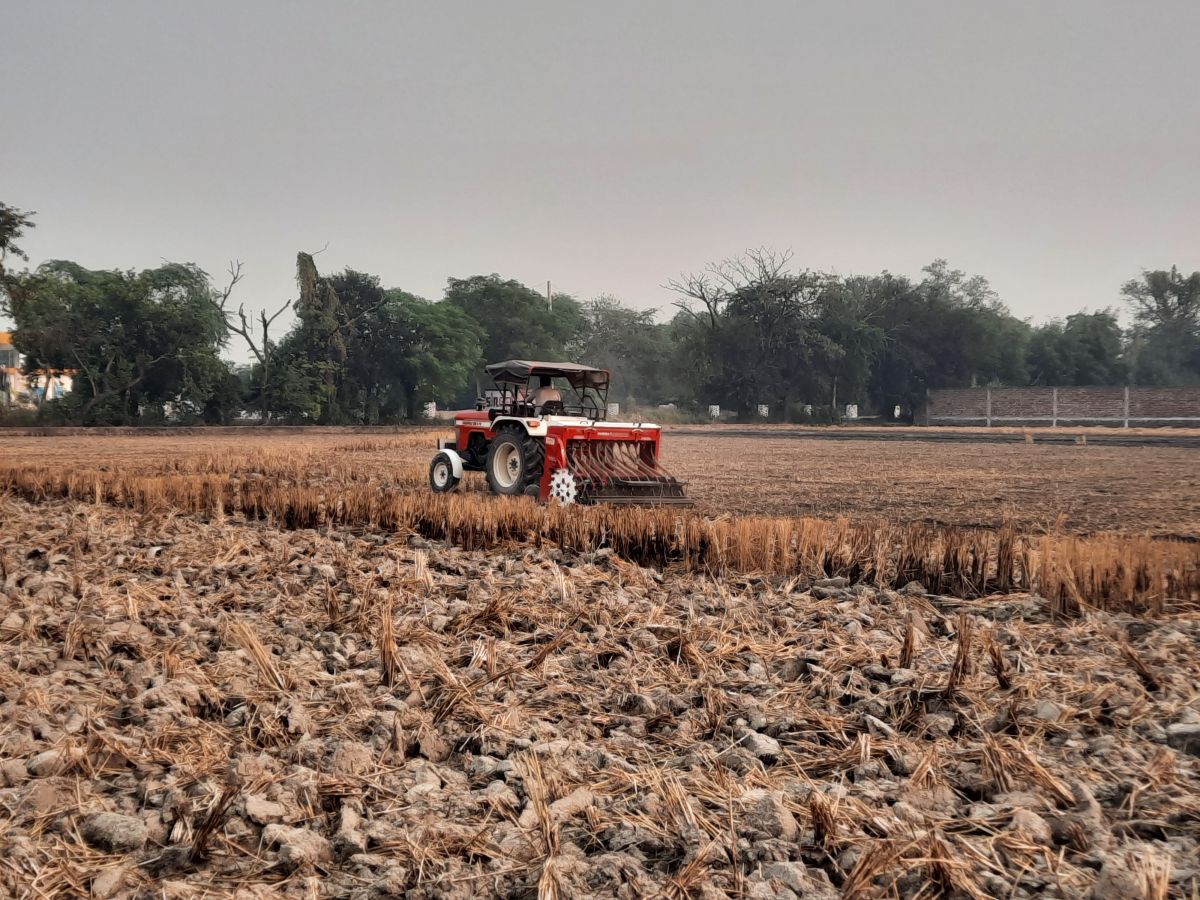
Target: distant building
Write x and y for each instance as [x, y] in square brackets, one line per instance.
[20, 389]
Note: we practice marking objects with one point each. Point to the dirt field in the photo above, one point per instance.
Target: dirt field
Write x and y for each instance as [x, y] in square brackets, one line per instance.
[1081, 489]
[199, 698]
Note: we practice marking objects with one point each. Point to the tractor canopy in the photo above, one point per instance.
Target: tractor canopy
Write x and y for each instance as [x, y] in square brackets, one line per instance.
[520, 371]
[529, 388]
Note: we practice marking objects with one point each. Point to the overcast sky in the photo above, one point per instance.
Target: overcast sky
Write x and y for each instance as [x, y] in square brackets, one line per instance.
[1053, 147]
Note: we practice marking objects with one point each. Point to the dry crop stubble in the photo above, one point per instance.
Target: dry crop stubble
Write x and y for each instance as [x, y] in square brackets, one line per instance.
[323, 480]
[569, 722]
[1134, 490]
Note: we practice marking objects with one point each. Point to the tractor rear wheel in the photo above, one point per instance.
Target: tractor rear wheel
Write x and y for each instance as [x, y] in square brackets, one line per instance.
[514, 462]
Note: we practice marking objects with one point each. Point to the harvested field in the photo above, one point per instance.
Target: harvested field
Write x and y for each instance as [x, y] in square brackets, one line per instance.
[227, 707]
[876, 535]
[302, 489]
[280, 666]
[1082, 489]
[1076, 489]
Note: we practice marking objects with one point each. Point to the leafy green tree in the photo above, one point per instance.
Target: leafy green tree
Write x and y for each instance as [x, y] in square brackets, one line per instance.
[637, 350]
[901, 360]
[401, 350]
[948, 330]
[1046, 355]
[322, 335]
[358, 299]
[516, 321]
[851, 337]
[751, 329]
[977, 340]
[365, 354]
[136, 341]
[1165, 345]
[1165, 299]
[775, 335]
[760, 332]
[212, 393]
[1086, 349]
[432, 350]
[13, 223]
[293, 391]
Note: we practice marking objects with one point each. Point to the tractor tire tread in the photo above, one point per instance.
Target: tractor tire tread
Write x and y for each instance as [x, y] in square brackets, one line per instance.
[533, 457]
[535, 460]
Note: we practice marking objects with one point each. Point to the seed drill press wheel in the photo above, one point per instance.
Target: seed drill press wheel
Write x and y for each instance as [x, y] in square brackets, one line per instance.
[563, 487]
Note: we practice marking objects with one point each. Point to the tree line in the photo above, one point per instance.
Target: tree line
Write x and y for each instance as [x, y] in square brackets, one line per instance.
[756, 330]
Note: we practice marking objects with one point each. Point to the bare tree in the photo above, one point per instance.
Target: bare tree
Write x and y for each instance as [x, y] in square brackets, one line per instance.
[1166, 299]
[713, 287]
[702, 288]
[753, 308]
[244, 326]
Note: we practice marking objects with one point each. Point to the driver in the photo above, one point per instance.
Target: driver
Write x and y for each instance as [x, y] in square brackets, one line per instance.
[545, 393]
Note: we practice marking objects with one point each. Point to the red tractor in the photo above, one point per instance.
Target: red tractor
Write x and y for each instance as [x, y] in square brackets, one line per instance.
[543, 433]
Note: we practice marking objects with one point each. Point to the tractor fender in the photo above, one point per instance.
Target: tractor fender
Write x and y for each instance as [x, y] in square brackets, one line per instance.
[532, 426]
[456, 461]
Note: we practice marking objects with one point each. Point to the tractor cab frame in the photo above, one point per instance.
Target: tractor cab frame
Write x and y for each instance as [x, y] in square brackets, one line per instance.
[566, 389]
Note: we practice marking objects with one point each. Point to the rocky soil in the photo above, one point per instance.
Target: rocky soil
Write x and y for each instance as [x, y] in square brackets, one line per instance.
[226, 709]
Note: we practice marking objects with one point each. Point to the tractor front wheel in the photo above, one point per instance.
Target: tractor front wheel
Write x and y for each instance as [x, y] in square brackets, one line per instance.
[441, 475]
[514, 462]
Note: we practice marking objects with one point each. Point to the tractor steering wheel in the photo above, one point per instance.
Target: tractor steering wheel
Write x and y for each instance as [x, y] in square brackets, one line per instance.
[591, 407]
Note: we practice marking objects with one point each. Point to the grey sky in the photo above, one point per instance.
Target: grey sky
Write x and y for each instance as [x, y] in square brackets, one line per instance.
[1052, 146]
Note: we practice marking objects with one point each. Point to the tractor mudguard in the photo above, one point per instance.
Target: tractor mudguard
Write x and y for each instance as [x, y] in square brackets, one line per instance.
[534, 426]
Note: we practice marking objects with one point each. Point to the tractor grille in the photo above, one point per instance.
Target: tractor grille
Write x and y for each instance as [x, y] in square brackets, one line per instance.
[622, 472]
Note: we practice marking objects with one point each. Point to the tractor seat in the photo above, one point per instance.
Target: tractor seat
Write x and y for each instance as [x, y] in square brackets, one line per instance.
[553, 408]
[546, 396]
